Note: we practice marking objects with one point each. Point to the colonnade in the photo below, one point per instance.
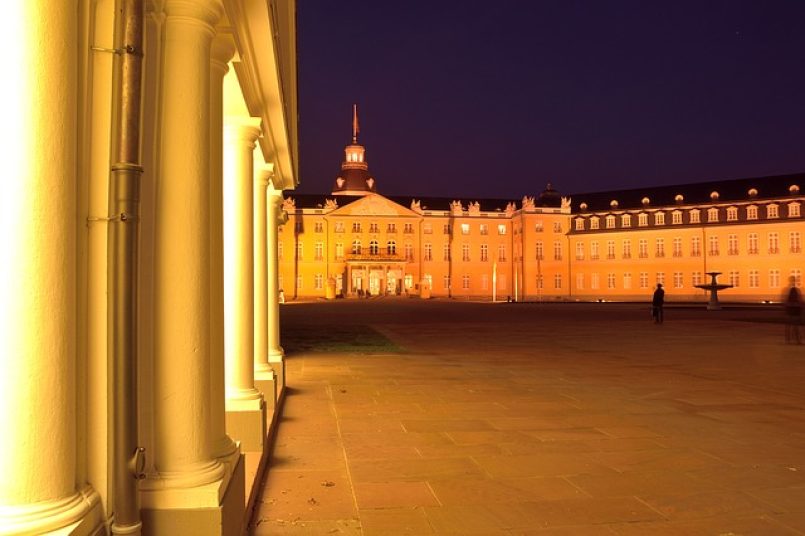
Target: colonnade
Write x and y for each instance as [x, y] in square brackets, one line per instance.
[209, 307]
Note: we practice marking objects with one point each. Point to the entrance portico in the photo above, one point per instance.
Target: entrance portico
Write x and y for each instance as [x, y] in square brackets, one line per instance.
[379, 278]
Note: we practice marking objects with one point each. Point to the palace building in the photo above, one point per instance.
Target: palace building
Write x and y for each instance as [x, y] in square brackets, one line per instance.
[614, 245]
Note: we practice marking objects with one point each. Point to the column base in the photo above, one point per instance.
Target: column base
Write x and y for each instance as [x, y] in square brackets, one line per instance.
[78, 515]
[225, 518]
[277, 363]
[247, 425]
[265, 381]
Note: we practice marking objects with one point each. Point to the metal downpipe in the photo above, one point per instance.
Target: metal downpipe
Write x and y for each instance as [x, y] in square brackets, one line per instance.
[124, 197]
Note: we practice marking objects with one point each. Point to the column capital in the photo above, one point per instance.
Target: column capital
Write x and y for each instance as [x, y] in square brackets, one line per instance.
[265, 175]
[206, 11]
[222, 51]
[245, 129]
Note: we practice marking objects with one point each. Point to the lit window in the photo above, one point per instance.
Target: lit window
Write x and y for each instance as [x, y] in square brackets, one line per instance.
[594, 222]
[484, 229]
[695, 216]
[659, 218]
[610, 222]
[339, 250]
[427, 228]
[772, 211]
[732, 214]
[712, 214]
[356, 247]
[538, 227]
[627, 280]
[626, 220]
[642, 219]
[319, 251]
[501, 229]
[751, 212]
[465, 228]
[579, 224]
[676, 217]
[793, 210]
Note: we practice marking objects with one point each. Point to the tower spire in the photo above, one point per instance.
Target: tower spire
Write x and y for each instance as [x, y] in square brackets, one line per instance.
[355, 128]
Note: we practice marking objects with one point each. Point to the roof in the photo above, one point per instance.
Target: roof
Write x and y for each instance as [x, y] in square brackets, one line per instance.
[355, 179]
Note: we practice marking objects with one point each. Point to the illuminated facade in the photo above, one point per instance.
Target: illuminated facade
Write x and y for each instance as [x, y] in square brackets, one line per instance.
[145, 145]
[609, 245]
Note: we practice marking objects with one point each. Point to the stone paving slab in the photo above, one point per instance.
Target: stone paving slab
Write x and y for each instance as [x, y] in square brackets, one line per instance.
[543, 419]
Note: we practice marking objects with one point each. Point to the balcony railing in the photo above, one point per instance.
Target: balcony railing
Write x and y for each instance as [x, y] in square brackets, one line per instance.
[377, 254]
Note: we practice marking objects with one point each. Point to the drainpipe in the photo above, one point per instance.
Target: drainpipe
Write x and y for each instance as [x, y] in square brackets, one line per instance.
[124, 196]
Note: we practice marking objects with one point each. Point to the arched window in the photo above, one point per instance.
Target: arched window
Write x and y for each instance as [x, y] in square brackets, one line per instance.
[373, 248]
[391, 245]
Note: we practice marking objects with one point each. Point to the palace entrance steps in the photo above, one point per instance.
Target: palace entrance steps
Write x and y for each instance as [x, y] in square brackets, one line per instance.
[479, 418]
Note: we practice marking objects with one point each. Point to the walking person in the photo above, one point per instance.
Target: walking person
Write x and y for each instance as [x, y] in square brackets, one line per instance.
[657, 302]
[793, 312]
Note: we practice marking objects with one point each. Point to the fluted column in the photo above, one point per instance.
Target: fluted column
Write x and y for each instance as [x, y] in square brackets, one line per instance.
[275, 217]
[264, 377]
[184, 456]
[38, 302]
[223, 49]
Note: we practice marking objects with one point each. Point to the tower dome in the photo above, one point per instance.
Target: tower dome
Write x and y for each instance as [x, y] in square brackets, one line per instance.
[354, 178]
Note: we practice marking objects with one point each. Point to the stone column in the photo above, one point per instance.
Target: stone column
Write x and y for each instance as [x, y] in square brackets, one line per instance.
[244, 403]
[275, 218]
[264, 377]
[38, 274]
[223, 49]
[188, 475]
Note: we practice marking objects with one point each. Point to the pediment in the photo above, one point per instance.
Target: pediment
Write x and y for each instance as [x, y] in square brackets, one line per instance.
[374, 205]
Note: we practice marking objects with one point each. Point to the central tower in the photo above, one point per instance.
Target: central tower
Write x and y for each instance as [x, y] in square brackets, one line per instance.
[354, 178]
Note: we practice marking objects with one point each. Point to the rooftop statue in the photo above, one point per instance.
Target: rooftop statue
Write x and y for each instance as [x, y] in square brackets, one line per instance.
[510, 208]
[566, 202]
[456, 209]
[416, 206]
[474, 208]
[288, 204]
[330, 205]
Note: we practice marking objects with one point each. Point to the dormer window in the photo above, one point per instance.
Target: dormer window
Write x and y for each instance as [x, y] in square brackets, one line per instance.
[579, 224]
[751, 212]
[772, 211]
[659, 218]
[695, 216]
[712, 214]
[732, 214]
[642, 219]
[676, 217]
[626, 220]
[594, 222]
[610, 222]
[793, 210]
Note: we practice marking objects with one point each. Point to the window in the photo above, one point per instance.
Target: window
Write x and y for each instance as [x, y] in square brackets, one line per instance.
[793, 210]
[627, 280]
[794, 242]
[774, 278]
[643, 279]
[610, 249]
[408, 228]
[279, 250]
[374, 248]
[695, 216]
[772, 211]
[659, 218]
[429, 280]
[610, 222]
[774, 243]
[502, 229]
[446, 229]
[501, 253]
[642, 219]
[754, 279]
[428, 252]
[557, 227]
[557, 281]
[446, 252]
[484, 229]
[579, 224]
[540, 281]
[677, 246]
[696, 279]
[299, 281]
[557, 250]
[373, 228]
[391, 228]
[751, 243]
[579, 251]
[484, 282]
[299, 251]
[677, 279]
[712, 214]
[319, 227]
[484, 252]
[319, 251]
[735, 279]
[538, 227]
[409, 251]
[660, 247]
[465, 282]
[642, 248]
[732, 244]
[409, 281]
[627, 249]
[579, 281]
[594, 281]
[465, 228]
[661, 278]
[446, 282]
[594, 222]
[319, 282]
[465, 252]
[712, 248]
[540, 253]
[356, 227]
[676, 217]
[356, 247]
[391, 247]
[695, 246]
[339, 227]
[751, 212]
[339, 250]
[427, 228]
[626, 220]
[732, 214]
[610, 280]
[796, 273]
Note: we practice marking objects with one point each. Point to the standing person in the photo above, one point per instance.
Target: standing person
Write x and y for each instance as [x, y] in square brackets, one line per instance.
[657, 302]
[793, 312]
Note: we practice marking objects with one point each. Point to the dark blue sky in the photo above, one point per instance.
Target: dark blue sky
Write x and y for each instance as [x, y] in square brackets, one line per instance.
[471, 99]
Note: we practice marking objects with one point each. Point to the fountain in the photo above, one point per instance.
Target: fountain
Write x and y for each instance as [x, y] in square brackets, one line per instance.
[713, 287]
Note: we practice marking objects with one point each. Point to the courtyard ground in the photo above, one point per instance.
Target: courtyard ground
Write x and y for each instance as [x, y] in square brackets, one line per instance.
[442, 417]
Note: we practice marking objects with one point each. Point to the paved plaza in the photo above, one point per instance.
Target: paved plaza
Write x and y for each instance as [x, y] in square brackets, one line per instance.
[549, 419]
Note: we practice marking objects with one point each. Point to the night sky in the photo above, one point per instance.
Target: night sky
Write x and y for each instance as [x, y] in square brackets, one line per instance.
[469, 99]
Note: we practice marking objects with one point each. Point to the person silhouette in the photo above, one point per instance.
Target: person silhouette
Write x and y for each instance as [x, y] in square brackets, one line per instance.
[657, 302]
[793, 312]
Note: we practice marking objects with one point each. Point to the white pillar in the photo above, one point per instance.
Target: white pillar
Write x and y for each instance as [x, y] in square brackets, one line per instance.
[38, 274]
[276, 217]
[223, 48]
[264, 377]
[184, 457]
